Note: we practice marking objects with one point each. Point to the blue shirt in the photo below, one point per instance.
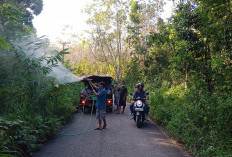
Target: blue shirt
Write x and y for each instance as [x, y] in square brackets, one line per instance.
[101, 99]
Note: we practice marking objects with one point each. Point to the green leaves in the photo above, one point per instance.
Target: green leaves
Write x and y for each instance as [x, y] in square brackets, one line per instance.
[4, 45]
[64, 52]
[54, 60]
[13, 20]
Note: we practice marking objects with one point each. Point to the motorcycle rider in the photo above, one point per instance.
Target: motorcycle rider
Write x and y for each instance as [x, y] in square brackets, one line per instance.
[140, 92]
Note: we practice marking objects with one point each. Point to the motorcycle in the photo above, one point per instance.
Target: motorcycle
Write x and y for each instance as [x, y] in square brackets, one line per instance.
[139, 111]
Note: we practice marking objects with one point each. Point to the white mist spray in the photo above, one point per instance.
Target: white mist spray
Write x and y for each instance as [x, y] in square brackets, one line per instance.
[38, 48]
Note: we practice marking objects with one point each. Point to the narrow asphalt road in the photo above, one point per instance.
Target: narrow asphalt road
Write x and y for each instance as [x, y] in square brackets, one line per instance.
[121, 139]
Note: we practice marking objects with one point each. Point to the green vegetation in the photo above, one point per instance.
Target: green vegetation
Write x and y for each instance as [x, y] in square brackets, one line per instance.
[27, 122]
[32, 108]
[186, 65]
[201, 122]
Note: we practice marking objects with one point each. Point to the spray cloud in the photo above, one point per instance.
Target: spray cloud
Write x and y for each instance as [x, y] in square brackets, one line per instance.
[38, 48]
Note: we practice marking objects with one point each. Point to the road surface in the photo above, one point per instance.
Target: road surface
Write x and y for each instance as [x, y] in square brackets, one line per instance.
[121, 139]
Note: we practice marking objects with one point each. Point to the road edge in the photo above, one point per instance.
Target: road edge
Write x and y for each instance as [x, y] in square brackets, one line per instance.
[172, 140]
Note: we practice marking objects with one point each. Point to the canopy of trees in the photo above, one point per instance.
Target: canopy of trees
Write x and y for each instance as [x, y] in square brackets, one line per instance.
[185, 62]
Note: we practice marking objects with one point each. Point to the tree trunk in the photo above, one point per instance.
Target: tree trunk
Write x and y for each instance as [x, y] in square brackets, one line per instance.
[115, 61]
[119, 47]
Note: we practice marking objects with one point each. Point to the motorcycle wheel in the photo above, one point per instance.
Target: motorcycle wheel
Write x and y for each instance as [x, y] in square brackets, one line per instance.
[138, 121]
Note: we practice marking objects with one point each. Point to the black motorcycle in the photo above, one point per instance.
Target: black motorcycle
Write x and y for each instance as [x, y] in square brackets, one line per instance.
[139, 111]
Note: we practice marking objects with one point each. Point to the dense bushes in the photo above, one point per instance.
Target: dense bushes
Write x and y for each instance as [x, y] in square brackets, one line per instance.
[201, 121]
[32, 107]
[22, 134]
[24, 129]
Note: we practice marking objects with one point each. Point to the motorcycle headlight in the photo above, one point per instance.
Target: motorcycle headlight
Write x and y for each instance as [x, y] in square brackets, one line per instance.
[139, 103]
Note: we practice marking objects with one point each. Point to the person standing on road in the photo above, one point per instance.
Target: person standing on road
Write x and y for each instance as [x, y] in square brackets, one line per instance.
[100, 104]
[123, 95]
[116, 95]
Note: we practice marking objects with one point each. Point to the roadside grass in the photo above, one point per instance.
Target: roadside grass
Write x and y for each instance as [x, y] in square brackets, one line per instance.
[202, 123]
[23, 132]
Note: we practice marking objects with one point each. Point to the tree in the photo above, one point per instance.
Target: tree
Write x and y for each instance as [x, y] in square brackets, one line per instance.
[108, 20]
[143, 21]
[16, 17]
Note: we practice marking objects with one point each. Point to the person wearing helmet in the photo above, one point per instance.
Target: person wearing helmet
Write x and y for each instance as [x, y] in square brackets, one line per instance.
[140, 92]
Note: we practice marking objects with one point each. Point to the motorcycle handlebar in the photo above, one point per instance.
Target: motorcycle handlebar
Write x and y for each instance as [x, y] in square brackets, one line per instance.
[139, 98]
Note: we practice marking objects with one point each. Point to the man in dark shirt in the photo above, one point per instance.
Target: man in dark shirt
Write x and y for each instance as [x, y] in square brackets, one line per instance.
[123, 95]
[140, 92]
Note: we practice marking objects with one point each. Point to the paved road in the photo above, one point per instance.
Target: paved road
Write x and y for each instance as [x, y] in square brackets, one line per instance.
[121, 139]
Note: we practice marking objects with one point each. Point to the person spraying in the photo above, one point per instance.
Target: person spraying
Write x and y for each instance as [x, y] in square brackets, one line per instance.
[100, 92]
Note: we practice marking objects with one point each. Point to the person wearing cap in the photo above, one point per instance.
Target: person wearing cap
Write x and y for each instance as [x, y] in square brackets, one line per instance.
[100, 92]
